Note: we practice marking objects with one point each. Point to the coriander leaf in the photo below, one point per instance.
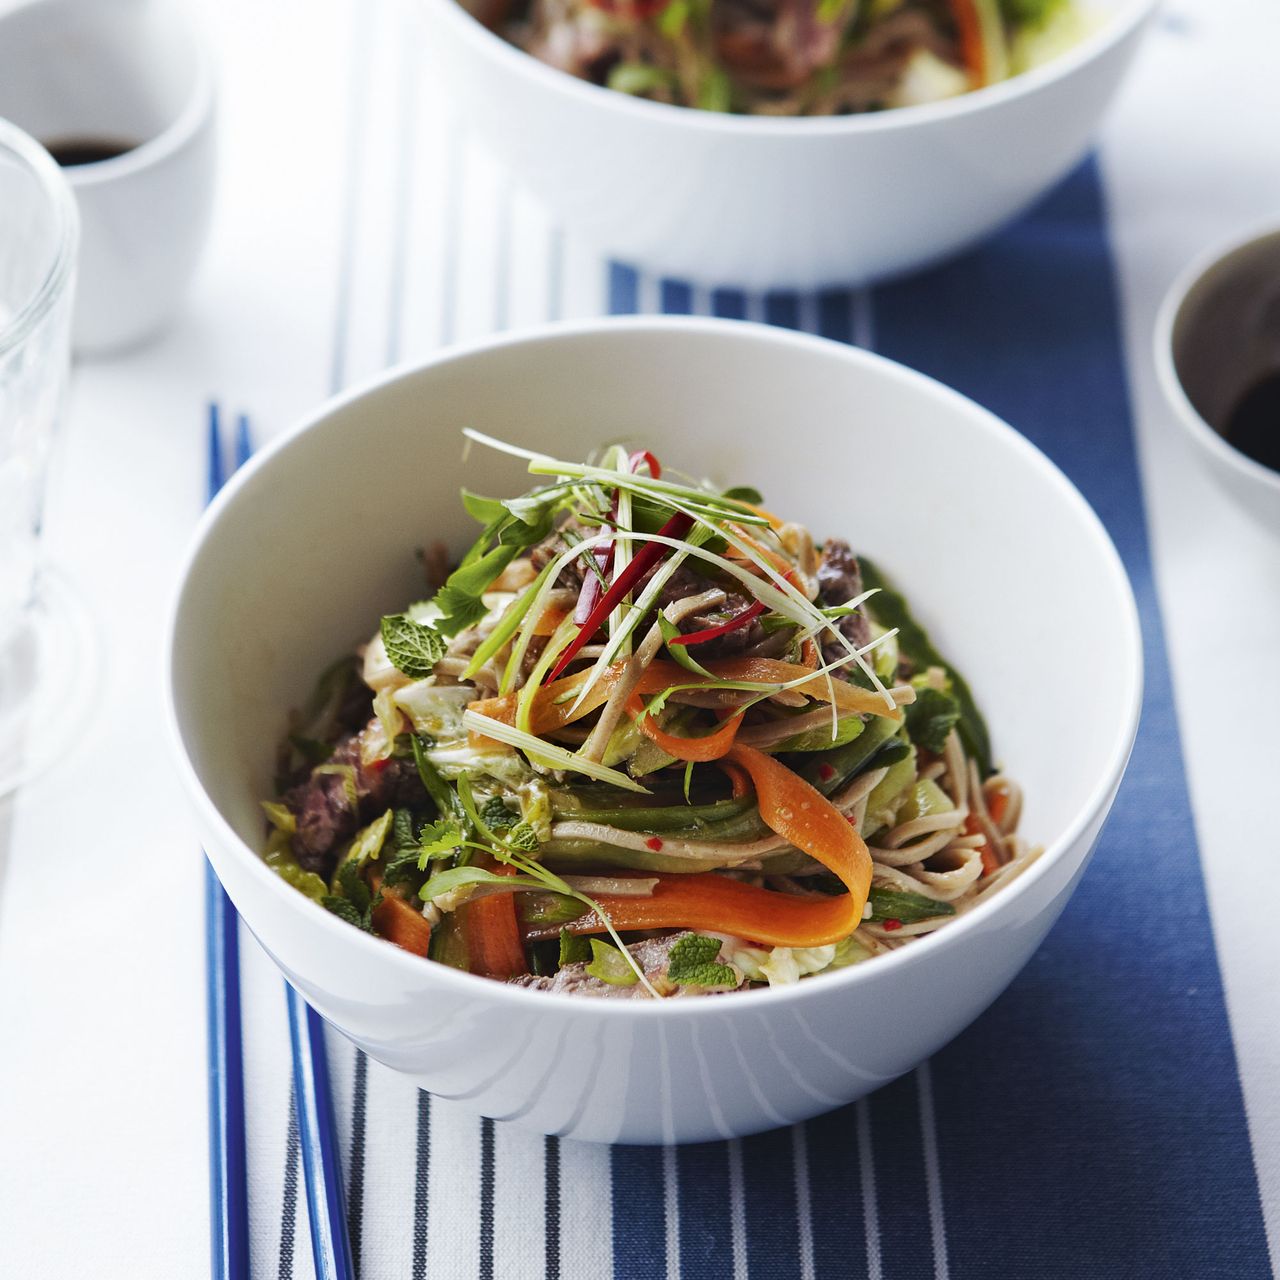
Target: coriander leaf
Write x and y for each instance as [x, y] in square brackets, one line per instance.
[347, 911]
[437, 839]
[523, 837]
[892, 904]
[573, 950]
[413, 647]
[496, 815]
[694, 963]
[610, 965]
[931, 717]
[460, 609]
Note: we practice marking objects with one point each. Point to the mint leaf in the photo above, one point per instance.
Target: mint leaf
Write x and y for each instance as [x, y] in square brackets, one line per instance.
[931, 717]
[413, 647]
[437, 839]
[573, 950]
[522, 837]
[402, 868]
[403, 836]
[611, 966]
[346, 910]
[353, 885]
[694, 963]
[402, 857]
[495, 814]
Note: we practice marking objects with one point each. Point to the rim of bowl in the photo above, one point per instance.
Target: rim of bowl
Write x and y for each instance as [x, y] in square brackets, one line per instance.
[1115, 28]
[67, 216]
[1129, 637]
[1167, 371]
[197, 109]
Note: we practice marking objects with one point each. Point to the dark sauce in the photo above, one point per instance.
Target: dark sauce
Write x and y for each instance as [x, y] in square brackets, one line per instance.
[1253, 426]
[69, 152]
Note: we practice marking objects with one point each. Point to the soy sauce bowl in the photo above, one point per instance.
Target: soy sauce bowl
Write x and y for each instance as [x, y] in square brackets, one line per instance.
[1217, 336]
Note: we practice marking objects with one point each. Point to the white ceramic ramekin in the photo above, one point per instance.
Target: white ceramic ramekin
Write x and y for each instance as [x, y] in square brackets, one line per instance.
[1000, 555]
[131, 71]
[759, 202]
[1217, 333]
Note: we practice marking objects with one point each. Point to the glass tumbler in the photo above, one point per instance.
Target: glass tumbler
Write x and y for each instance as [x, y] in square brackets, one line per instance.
[38, 619]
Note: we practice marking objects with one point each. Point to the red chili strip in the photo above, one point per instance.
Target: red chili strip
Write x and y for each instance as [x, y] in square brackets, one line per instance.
[603, 555]
[753, 610]
[645, 559]
[643, 455]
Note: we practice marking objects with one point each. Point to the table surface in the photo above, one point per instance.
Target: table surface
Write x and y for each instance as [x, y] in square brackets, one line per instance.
[102, 1076]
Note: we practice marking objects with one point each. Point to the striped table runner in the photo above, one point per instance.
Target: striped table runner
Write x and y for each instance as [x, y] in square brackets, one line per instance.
[1090, 1124]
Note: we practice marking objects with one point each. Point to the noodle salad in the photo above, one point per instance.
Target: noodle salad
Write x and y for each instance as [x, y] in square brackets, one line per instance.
[646, 739]
[789, 57]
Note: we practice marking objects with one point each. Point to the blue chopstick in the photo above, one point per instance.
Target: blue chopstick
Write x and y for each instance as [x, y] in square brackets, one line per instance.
[228, 1183]
[321, 1165]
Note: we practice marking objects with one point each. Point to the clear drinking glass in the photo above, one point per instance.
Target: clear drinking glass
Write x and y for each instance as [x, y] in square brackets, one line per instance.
[40, 628]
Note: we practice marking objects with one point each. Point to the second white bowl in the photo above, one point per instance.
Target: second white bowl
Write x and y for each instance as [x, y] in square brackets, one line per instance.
[759, 202]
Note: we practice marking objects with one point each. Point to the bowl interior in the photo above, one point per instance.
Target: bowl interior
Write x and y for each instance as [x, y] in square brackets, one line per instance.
[999, 556]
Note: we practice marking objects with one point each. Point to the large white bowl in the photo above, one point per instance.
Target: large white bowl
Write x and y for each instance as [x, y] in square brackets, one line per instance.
[760, 202]
[1001, 556]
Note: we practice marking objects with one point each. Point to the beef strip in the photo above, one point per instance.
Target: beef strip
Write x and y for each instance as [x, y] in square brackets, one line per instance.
[323, 810]
[839, 581]
[772, 44]
[652, 955]
[556, 544]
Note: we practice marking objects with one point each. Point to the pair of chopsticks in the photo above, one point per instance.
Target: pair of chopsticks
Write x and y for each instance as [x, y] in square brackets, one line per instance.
[321, 1162]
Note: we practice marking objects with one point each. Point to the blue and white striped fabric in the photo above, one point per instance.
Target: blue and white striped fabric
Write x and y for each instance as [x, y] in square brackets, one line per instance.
[1090, 1124]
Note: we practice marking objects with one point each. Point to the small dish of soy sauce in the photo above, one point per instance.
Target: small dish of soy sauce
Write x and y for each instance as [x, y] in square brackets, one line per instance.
[1218, 361]
[72, 152]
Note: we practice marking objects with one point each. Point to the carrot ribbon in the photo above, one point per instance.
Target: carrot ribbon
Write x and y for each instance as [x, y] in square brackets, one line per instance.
[800, 814]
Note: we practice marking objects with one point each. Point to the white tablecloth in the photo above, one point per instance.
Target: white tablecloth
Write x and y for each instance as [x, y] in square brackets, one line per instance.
[102, 1067]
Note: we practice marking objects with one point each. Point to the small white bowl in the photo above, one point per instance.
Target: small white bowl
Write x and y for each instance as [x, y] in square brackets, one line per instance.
[1217, 334]
[130, 71]
[759, 202]
[999, 554]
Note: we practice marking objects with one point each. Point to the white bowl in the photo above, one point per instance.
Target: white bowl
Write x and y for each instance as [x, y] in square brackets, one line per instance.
[1001, 556]
[1217, 334]
[760, 202]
